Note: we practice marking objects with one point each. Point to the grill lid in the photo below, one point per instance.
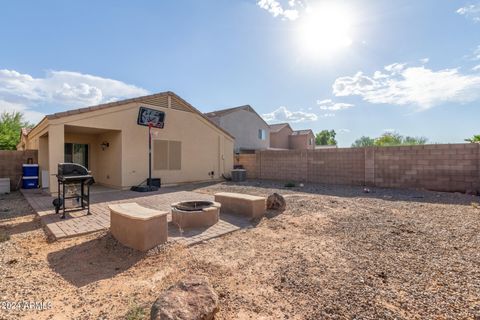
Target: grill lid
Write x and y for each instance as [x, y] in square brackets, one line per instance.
[72, 169]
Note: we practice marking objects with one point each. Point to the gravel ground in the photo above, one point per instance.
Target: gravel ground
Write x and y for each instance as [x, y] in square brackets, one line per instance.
[335, 253]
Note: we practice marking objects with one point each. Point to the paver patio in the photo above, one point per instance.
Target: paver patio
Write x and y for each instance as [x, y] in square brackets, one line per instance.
[78, 223]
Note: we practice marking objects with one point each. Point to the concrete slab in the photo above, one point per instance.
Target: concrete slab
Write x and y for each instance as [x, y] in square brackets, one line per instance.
[78, 223]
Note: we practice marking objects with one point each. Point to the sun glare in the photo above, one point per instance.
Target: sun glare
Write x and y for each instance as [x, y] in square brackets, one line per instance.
[325, 29]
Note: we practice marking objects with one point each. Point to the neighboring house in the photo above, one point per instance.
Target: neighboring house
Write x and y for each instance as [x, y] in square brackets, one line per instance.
[302, 140]
[283, 137]
[251, 132]
[109, 142]
[279, 136]
[22, 144]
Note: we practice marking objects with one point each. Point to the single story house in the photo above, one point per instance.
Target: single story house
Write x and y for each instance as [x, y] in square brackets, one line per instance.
[282, 136]
[108, 140]
[251, 132]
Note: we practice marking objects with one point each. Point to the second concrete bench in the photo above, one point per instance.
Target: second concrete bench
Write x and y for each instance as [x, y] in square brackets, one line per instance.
[138, 227]
[244, 204]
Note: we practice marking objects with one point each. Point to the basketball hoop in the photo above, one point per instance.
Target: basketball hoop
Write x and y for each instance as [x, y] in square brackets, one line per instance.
[152, 119]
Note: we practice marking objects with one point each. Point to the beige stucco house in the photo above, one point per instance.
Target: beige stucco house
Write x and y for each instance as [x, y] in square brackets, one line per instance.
[282, 136]
[251, 132]
[107, 139]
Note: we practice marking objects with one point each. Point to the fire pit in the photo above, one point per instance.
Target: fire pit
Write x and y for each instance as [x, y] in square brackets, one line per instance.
[195, 214]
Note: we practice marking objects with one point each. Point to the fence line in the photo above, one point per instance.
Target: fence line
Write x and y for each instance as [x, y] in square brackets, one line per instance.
[442, 167]
[11, 165]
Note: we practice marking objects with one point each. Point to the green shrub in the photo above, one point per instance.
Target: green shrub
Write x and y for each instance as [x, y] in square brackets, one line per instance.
[290, 184]
[136, 313]
[4, 236]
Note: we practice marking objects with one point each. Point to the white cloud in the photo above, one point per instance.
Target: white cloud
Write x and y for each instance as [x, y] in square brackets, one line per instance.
[328, 104]
[476, 68]
[471, 11]
[276, 9]
[343, 130]
[416, 86]
[282, 114]
[476, 54]
[328, 115]
[65, 89]
[424, 60]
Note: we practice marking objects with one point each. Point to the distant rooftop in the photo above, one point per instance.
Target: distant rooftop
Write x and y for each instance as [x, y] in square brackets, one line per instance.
[302, 132]
[222, 112]
[278, 126]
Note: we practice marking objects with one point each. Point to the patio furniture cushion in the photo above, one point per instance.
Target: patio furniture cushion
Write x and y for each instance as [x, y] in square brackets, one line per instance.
[244, 204]
[138, 227]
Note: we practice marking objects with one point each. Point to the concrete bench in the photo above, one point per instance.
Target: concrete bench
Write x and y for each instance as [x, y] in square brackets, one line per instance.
[244, 204]
[138, 227]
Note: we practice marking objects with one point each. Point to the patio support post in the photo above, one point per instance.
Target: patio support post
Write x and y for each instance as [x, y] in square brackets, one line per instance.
[56, 152]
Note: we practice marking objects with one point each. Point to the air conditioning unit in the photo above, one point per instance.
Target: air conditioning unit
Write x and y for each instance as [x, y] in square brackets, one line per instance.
[4, 185]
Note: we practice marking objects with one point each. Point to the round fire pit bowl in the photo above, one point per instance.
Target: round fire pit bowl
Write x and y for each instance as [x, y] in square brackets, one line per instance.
[195, 214]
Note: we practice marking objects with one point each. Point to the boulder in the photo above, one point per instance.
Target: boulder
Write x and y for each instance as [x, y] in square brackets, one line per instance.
[193, 298]
[276, 202]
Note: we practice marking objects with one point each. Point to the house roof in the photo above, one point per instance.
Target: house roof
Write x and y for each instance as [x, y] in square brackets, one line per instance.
[302, 132]
[223, 112]
[279, 126]
[142, 99]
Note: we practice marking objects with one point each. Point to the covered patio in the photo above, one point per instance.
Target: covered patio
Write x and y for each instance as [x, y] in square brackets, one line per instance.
[99, 150]
[78, 223]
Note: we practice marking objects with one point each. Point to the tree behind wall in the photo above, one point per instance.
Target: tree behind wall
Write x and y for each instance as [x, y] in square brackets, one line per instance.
[326, 138]
[10, 126]
[474, 139]
[363, 142]
[389, 139]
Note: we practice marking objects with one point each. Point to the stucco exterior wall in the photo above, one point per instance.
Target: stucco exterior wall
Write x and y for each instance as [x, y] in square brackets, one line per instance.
[244, 126]
[204, 147]
[109, 166]
[280, 139]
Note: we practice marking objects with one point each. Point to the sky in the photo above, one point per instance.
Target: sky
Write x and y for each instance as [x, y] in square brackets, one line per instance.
[362, 68]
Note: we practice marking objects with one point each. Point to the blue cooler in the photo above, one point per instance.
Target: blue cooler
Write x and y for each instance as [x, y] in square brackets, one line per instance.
[30, 182]
[30, 176]
[30, 170]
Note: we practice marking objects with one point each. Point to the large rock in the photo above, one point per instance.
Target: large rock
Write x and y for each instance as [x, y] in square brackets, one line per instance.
[276, 202]
[192, 298]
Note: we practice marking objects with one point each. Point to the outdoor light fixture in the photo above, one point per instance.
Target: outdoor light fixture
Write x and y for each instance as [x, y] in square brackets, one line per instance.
[105, 145]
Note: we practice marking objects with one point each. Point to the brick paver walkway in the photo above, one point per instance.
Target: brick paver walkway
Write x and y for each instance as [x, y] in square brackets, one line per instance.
[78, 223]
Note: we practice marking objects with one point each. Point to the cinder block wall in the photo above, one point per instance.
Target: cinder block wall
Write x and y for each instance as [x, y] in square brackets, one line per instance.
[442, 167]
[288, 165]
[248, 161]
[337, 166]
[11, 165]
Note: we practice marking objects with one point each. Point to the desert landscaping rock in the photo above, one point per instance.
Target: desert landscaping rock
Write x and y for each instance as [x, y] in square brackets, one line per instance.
[276, 202]
[334, 253]
[192, 298]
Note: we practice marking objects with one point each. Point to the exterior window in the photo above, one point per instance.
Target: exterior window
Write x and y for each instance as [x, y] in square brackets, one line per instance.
[262, 135]
[167, 155]
[310, 141]
[76, 153]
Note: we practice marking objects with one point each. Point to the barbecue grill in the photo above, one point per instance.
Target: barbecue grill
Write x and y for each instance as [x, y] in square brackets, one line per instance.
[73, 174]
